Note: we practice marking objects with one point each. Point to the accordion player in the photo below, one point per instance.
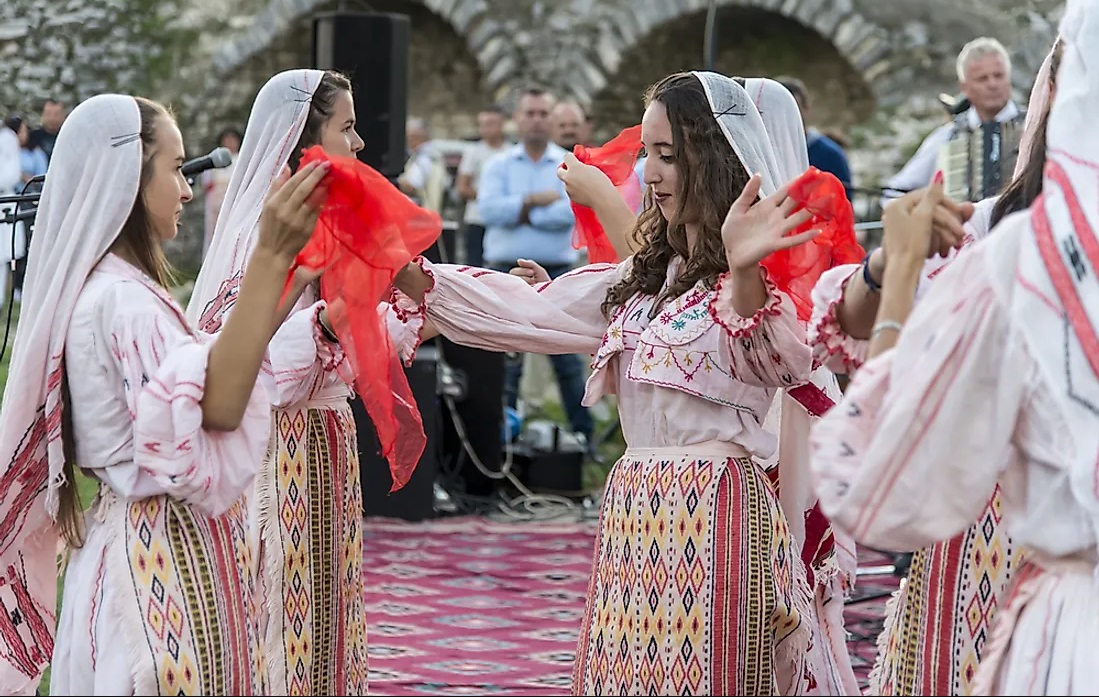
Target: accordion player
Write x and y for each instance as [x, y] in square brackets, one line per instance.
[977, 163]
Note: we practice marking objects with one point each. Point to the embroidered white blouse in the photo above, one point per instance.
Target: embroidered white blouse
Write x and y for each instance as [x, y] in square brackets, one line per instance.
[137, 374]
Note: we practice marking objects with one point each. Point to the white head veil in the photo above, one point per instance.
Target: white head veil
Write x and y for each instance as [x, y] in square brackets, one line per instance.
[1056, 298]
[782, 119]
[274, 128]
[89, 192]
[743, 128]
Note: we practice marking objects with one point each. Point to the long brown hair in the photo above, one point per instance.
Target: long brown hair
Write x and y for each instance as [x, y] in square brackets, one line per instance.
[320, 110]
[1024, 188]
[140, 241]
[710, 179]
[137, 236]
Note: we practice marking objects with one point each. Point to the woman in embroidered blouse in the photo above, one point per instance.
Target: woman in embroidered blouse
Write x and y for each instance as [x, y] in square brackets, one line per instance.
[107, 375]
[992, 380]
[933, 637]
[310, 560]
[694, 589]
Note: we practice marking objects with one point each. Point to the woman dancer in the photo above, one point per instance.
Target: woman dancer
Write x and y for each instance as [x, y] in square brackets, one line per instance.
[107, 375]
[696, 589]
[938, 623]
[993, 380]
[831, 562]
[307, 506]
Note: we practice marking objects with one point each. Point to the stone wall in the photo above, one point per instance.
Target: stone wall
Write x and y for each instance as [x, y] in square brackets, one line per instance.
[73, 49]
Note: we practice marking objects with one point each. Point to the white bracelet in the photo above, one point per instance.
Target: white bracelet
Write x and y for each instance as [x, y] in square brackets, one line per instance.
[885, 325]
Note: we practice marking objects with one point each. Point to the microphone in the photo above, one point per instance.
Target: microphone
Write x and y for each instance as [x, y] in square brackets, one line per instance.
[218, 158]
[954, 105]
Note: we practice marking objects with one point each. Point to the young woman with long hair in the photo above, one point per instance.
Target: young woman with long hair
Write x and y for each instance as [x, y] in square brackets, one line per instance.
[108, 376]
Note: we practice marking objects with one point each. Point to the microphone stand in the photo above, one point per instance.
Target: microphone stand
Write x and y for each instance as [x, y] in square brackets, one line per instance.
[13, 218]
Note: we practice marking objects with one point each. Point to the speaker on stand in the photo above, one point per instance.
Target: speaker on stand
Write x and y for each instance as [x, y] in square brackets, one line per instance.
[416, 500]
[371, 48]
[480, 407]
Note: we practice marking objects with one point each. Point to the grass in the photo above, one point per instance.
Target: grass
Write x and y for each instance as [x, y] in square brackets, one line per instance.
[11, 339]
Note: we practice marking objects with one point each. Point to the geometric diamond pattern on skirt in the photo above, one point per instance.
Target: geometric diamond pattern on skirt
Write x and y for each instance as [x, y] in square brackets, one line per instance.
[468, 605]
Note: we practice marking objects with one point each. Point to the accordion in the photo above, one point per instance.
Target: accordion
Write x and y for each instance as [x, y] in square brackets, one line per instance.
[977, 163]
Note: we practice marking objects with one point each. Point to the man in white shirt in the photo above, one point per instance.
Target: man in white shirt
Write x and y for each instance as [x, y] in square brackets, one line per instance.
[490, 125]
[424, 176]
[984, 75]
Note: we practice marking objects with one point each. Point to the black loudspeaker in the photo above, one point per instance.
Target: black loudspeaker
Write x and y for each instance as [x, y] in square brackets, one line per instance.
[480, 411]
[372, 49]
[416, 500]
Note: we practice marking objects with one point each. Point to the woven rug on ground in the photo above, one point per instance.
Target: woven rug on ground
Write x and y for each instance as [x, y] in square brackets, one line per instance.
[464, 606]
[864, 613]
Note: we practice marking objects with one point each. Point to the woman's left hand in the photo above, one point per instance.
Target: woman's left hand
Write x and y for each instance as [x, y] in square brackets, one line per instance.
[303, 276]
[753, 231]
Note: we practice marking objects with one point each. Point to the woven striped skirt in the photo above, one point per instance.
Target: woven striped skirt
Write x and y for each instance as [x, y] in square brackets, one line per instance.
[694, 589]
[936, 626]
[309, 513]
[189, 610]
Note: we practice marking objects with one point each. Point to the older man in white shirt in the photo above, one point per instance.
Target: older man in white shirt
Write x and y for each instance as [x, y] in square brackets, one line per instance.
[984, 74]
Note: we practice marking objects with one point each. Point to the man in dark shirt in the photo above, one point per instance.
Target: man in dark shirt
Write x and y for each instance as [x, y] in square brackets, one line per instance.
[53, 115]
[824, 153]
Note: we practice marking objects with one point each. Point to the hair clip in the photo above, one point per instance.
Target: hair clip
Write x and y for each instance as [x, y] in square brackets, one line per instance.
[731, 111]
[308, 95]
[123, 140]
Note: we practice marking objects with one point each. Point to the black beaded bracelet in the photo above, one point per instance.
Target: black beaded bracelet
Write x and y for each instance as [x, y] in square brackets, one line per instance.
[873, 285]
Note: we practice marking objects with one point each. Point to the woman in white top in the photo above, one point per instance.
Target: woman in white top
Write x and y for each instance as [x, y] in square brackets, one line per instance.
[307, 507]
[937, 625]
[107, 375]
[994, 379]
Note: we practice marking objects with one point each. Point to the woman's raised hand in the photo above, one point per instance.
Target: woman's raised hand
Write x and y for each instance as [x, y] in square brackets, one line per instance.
[584, 184]
[753, 231]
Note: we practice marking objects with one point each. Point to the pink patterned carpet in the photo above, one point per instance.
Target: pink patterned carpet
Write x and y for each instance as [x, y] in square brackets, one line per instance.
[464, 606]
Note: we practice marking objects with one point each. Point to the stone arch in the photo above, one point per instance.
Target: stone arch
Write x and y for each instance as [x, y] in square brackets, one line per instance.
[752, 40]
[861, 42]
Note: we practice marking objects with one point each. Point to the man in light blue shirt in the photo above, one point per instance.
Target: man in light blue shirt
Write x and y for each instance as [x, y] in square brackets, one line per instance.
[523, 205]
[527, 215]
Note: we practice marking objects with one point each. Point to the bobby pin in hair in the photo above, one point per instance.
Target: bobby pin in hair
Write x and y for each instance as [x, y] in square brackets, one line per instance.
[123, 140]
